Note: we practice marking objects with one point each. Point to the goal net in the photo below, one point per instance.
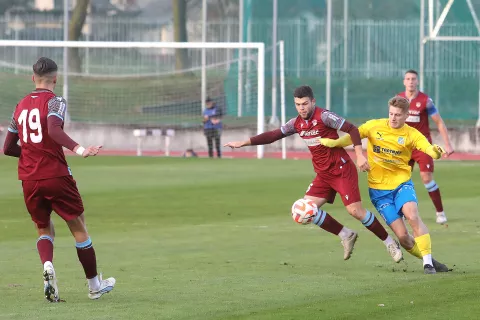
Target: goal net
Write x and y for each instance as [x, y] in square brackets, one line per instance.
[450, 61]
[113, 88]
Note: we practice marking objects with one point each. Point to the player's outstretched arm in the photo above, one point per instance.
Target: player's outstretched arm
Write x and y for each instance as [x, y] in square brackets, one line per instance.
[341, 142]
[57, 134]
[435, 151]
[87, 152]
[354, 133]
[334, 121]
[421, 143]
[10, 146]
[263, 138]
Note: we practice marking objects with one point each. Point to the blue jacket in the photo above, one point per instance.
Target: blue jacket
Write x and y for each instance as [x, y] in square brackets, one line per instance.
[213, 112]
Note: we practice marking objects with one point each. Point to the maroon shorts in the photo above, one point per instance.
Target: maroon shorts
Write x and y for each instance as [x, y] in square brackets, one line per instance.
[425, 162]
[344, 181]
[58, 194]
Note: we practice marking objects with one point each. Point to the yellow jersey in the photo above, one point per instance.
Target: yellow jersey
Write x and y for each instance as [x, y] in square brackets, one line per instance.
[389, 150]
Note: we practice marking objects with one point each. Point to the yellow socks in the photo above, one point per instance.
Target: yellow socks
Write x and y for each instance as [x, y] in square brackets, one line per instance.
[415, 251]
[424, 244]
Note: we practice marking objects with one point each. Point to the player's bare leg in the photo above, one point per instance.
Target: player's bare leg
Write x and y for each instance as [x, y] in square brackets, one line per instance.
[421, 234]
[370, 222]
[86, 255]
[45, 250]
[407, 241]
[328, 223]
[434, 193]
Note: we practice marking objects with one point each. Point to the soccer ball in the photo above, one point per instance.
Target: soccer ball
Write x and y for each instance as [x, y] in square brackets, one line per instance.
[303, 211]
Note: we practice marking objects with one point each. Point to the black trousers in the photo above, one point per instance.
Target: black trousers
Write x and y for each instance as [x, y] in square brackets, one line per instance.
[213, 135]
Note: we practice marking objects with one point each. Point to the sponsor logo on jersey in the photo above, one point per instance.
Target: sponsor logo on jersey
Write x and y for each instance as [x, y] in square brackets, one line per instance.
[413, 119]
[308, 133]
[414, 112]
[379, 149]
[312, 142]
[390, 161]
[401, 140]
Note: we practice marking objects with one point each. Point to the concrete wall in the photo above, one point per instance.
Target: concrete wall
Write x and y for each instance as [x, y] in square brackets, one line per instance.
[118, 138]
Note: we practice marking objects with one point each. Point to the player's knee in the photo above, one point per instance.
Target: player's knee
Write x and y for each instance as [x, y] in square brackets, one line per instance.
[413, 218]
[318, 201]
[356, 210]
[427, 177]
[77, 225]
[410, 210]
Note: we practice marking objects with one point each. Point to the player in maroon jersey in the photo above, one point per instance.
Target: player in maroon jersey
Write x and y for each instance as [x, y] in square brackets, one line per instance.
[47, 181]
[421, 108]
[336, 173]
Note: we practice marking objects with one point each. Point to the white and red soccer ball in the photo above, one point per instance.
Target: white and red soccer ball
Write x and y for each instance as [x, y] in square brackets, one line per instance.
[304, 211]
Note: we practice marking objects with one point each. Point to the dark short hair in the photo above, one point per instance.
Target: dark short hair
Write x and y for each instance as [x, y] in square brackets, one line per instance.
[303, 92]
[412, 71]
[44, 66]
[208, 100]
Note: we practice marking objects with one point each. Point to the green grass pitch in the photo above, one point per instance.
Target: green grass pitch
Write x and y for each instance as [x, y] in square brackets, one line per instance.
[213, 239]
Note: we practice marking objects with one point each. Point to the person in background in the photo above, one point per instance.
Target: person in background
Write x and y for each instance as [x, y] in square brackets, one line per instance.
[189, 153]
[212, 126]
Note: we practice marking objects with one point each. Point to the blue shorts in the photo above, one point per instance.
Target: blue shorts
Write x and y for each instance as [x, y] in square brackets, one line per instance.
[389, 203]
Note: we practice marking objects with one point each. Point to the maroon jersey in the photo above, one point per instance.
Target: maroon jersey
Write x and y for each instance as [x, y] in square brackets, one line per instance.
[41, 157]
[322, 124]
[421, 107]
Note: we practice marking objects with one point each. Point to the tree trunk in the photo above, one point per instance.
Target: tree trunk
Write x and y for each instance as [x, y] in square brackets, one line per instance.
[180, 32]
[75, 26]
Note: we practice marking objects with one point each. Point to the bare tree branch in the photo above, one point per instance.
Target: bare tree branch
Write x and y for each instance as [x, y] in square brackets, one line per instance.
[75, 27]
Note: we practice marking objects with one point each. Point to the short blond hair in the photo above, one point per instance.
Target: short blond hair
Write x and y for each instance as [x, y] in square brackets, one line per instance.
[399, 102]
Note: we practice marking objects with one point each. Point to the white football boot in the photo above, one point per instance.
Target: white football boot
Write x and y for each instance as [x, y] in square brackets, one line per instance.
[105, 287]
[50, 287]
[441, 218]
[348, 245]
[395, 251]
